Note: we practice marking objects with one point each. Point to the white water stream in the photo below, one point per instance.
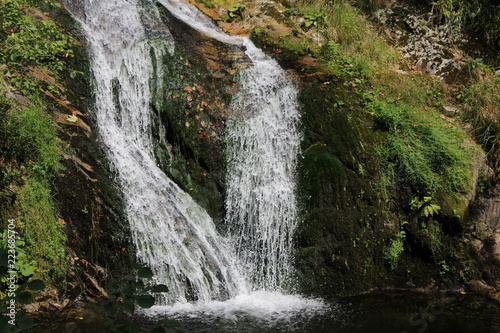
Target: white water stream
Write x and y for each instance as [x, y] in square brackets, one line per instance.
[262, 145]
[262, 150]
[173, 234]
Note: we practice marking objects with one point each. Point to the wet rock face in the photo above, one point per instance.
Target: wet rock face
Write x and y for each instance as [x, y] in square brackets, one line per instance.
[190, 107]
[221, 60]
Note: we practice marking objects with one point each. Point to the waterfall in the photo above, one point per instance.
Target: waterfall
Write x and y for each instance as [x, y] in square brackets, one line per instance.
[262, 145]
[173, 235]
[261, 153]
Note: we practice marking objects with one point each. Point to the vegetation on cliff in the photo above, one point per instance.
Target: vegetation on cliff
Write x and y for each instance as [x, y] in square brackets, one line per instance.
[33, 52]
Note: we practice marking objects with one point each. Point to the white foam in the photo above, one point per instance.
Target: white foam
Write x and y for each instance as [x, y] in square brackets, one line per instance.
[266, 306]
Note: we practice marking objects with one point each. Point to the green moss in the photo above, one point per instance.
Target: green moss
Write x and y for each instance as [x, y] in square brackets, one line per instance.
[338, 238]
[318, 164]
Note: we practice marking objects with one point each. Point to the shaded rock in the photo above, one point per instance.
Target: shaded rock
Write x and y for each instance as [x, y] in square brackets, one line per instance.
[450, 111]
[480, 286]
[490, 218]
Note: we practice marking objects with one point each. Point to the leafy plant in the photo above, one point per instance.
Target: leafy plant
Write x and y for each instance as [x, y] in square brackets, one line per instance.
[425, 206]
[291, 11]
[235, 12]
[314, 19]
[331, 50]
[29, 42]
[395, 249]
[128, 295]
[24, 267]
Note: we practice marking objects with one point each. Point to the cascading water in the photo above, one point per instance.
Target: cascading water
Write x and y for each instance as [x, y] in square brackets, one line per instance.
[174, 235]
[261, 153]
[262, 145]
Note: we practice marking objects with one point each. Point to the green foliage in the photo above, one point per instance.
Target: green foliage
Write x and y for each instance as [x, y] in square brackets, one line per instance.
[316, 18]
[45, 236]
[481, 105]
[331, 50]
[36, 140]
[422, 148]
[31, 142]
[235, 12]
[312, 15]
[343, 30]
[128, 295]
[291, 11]
[425, 206]
[395, 249]
[20, 294]
[260, 32]
[29, 137]
[28, 42]
[480, 17]
[353, 37]
[24, 266]
[350, 27]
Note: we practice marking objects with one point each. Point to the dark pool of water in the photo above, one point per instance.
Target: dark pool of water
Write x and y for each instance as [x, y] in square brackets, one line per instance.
[387, 312]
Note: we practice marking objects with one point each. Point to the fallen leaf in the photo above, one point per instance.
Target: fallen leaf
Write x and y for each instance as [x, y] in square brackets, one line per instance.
[72, 118]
